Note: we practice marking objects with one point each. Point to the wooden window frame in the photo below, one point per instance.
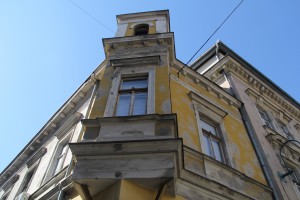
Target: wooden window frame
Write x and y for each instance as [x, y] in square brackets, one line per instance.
[131, 72]
[213, 137]
[132, 92]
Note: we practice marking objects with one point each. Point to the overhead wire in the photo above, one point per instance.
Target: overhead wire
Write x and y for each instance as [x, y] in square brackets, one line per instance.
[185, 65]
[91, 16]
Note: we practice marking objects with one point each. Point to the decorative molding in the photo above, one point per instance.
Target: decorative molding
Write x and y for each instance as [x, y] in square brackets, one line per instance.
[36, 156]
[46, 131]
[147, 60]
[230, 65]
[10, 182]
[208, 104]
[68, 124]
[291, 151]
[297, 126]
[220, 93]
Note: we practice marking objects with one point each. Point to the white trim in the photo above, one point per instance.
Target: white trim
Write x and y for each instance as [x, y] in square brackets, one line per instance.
[131, 72]
[53, 161]
[217, 119]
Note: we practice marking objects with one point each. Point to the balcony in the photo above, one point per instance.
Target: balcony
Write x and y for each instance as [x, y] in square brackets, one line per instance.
[141, 127]
[142, 149]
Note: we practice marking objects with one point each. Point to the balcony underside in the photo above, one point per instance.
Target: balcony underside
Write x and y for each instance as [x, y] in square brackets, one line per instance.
[149, 163]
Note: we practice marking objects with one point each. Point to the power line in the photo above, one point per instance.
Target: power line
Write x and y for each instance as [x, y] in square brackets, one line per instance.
[91, 16]
[211, 36]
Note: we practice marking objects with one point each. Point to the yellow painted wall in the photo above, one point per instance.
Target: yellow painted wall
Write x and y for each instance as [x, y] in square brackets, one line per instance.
[244, 156]
[102, 94]
[130, 191]
[243, 153]
[162, 90]
[187, 124]
[76, 198]
[130, 31]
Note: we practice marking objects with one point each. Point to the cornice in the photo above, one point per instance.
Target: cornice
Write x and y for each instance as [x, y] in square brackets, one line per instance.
[291, 151]
[259, 86]
[144, 43]
[210, 86]
[50, 128]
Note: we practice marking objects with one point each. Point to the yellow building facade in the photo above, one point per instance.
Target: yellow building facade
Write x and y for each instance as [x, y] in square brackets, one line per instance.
[188, 141]
[143, 126]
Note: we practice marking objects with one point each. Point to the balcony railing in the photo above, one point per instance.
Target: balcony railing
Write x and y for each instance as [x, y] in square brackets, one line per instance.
[140, 127]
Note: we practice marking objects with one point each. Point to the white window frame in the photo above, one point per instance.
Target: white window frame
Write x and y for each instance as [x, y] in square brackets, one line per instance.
[32, 169]
[218, 138]
[63, 143]
[52, 168]
[265, 117]
[7, 192]
[133, 93]
[294, 175]
[123, 72]
[60, 158]
[283, 128]
[213, 114]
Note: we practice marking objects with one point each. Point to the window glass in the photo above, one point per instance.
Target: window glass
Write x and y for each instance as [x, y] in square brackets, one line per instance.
[61, 157]
[286, 131]
[217, 150]
[295, 178]
[212, 142]
[132, 98]
[139, 106]
[265, 117]
[27, 180]
[207, 149]
[209, 128]
[129, 84]
[123, 105]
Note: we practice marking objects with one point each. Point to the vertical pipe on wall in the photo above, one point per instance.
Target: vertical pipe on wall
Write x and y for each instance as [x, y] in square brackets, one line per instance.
[258, 149]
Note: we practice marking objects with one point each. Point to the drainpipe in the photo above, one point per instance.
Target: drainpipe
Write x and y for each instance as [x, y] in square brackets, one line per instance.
[257, 148]
[217, 50]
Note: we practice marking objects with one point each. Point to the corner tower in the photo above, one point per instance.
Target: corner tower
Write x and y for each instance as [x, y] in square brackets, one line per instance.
[143, 23]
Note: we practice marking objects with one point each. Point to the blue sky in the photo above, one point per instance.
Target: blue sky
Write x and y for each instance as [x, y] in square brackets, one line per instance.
[48, 48]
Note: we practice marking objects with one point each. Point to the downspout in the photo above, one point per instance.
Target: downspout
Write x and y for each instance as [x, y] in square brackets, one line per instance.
[250, 131]
[217, 50]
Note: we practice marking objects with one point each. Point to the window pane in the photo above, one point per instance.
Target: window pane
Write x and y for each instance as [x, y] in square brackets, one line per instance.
[264, 115]
[207, 146]
[217, 150]
[123, 105]
[135, 83]
[209, 128]
[139, 104]
[61, 158]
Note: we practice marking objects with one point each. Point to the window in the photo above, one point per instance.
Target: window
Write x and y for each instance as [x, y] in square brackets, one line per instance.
[6, 194]
[141, 29]
[132, 92]
[265, 117]
[27, 180]
[132, 98]
[61, 156]
[284, 129]
[295, 178]
[212, 140]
